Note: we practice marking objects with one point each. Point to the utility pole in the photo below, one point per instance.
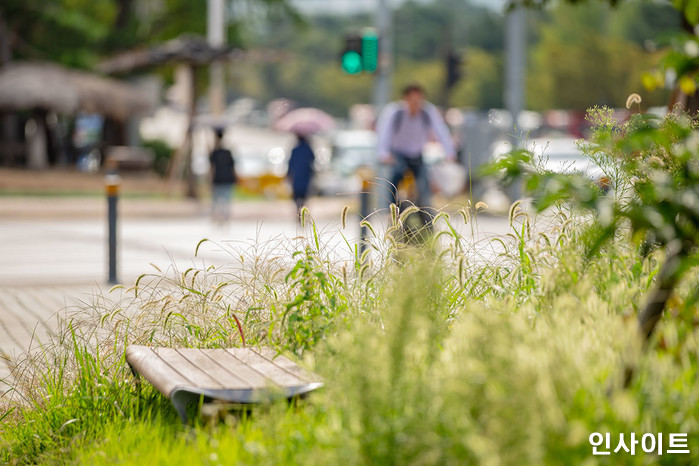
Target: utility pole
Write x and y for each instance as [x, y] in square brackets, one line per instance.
[515, 49]
[382, 85]
[216, 36]
[384, 72]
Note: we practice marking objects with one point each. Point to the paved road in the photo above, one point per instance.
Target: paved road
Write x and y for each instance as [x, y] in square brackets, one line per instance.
[53, 254]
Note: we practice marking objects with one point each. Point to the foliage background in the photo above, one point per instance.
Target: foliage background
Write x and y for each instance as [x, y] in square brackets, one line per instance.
[579, 55]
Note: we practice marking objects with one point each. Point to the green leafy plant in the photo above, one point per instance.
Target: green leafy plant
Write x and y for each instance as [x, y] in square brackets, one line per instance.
[659, 158]
[317, 298]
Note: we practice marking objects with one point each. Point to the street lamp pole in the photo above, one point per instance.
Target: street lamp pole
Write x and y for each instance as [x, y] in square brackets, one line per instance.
[216, 36]
[515, 45]
[384, 72]
[515, 50]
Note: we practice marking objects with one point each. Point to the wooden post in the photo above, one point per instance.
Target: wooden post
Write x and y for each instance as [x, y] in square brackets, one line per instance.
[37, 155]
[181, 163]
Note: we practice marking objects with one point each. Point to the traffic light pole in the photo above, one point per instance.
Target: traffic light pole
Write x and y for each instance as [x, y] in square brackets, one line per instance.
[384, 72]
[382, 86]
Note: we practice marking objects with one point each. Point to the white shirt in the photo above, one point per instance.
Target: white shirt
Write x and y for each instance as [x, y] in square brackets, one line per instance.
[412, 132]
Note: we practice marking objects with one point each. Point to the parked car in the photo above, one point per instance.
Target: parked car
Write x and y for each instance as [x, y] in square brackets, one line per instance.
[350, 150]
[558, 155]
[261, 171]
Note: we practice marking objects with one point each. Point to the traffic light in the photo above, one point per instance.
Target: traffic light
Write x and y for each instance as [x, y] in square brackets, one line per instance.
[361, 53]
[453, 62]
[351, 58]
[370, 51]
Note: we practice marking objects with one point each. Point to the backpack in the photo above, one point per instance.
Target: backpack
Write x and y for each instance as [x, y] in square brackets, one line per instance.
[400, 115]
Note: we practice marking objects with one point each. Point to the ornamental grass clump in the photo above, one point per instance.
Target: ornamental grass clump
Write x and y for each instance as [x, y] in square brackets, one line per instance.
[500, 384]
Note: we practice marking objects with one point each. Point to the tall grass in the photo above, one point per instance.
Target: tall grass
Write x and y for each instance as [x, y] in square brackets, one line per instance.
[507, 350]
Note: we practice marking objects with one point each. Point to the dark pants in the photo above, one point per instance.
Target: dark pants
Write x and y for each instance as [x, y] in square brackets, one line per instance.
[401, 164]
[300, 193]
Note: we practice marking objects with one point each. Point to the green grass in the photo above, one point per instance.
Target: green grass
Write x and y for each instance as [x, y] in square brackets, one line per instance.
[509, 351]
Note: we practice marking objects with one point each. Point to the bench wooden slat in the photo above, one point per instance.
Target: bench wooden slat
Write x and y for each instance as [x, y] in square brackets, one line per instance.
[286, 364]
[159, 373]
[254, 378]
[275, 373]
[197, 376]
[207, 360]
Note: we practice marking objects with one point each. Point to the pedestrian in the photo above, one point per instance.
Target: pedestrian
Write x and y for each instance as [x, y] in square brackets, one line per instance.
[403, 129]
[301, 171]
[223, 178]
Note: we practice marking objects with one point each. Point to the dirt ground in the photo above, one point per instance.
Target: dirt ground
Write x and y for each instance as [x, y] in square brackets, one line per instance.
[62, 193]
[15, 181]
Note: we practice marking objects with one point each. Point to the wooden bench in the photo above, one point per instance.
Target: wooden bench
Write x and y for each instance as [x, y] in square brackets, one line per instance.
[129, 158]
[234, 375]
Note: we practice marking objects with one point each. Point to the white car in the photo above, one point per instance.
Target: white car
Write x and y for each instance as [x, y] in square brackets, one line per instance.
[351, 149]
[558, 155]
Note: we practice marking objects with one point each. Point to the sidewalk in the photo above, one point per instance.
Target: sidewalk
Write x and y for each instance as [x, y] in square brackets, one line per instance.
[28, 315]
[53, 250]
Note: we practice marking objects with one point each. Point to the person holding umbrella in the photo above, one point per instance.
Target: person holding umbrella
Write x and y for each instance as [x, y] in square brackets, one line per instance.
[303, 122]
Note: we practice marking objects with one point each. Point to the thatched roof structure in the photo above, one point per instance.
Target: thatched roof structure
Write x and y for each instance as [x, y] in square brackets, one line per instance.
[34, 85]
[187, 49]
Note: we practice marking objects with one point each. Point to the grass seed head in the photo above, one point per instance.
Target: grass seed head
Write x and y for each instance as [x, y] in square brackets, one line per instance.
[633, 99]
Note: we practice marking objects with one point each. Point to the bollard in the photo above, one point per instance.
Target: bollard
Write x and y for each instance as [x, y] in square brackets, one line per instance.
[366, 174]
[112, 182]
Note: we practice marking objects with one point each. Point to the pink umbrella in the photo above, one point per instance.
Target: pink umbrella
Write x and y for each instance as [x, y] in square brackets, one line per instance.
[305, 121]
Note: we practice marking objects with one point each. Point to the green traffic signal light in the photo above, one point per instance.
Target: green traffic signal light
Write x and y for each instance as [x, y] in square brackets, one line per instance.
[351, 62]
[370, 52]
[361, 52]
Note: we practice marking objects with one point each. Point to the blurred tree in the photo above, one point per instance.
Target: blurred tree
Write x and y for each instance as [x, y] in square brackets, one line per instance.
[424, 29]
[311, 75]
[419, 31]
[57, 30]
[682, 60]
[429, 73]
[647, 23]
[579, 62]
[482, 84]
[316, 48]
[78, 32]
[604, 50]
